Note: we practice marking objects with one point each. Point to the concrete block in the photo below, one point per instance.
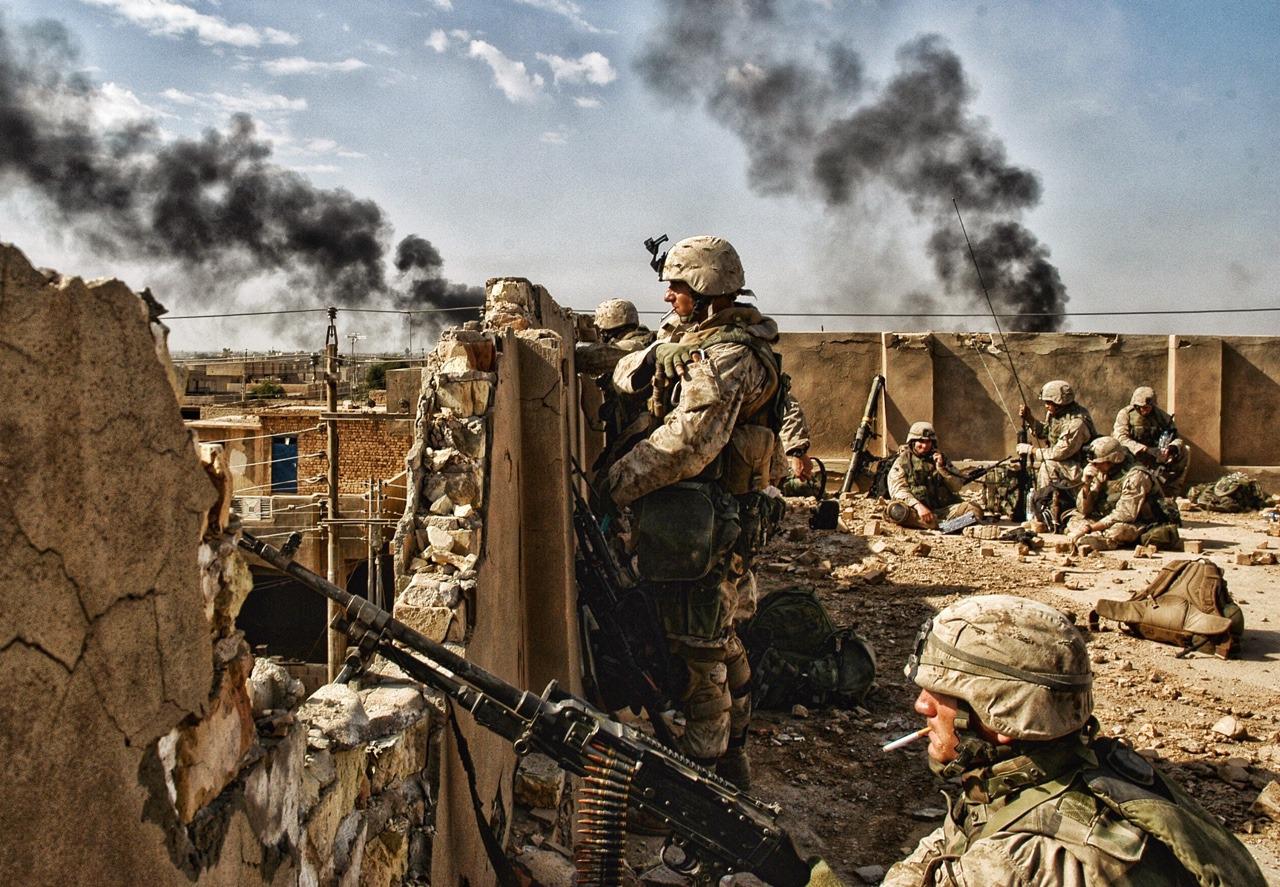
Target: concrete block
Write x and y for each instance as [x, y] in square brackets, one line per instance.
[1192, 546]
[336, 713]
[988, 551]
[1058, 577]
[1268, 802]
[432, 621]
[871, 528]
[274, 789]
[1062, 547]
[398, 756]
[1244, 558]
[392, 708]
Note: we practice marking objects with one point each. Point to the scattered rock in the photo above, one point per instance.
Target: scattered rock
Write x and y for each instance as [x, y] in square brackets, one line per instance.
[1234, 774]
[1268, 802]
[928, 814]
[271, 686]
[985, 551]
[334, 711]
[539, 782]
[871, 528]
[1230, 727]
[544, 867]
[799, 711]
[1192, 546]
[870, 874]
[920, 549]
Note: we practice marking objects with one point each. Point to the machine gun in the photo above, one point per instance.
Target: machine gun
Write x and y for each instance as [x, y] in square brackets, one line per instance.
[858, 452]
[619, 675]
[716, 829]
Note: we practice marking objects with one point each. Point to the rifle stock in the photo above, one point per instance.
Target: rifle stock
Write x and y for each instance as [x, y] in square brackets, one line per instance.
[858, 452]
[716, 828]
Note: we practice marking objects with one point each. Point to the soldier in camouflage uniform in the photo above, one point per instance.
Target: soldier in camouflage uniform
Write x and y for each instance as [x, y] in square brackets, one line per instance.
[1066, 429]
[1118, 501]
[716, 444]
[1149, 433]
[1007, 694]
[924, 483]
[621, 333]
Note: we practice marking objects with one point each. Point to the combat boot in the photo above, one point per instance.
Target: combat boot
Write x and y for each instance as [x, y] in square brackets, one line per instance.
[735, 767]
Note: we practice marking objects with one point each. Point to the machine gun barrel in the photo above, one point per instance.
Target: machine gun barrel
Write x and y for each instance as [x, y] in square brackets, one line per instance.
[716, 829]
[858, 452]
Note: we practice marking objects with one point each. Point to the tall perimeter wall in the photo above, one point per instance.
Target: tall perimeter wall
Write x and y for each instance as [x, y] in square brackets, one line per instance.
[1224, 392]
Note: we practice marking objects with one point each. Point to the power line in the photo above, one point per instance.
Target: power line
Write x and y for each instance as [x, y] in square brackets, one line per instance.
[1011, 314]
[400, 311]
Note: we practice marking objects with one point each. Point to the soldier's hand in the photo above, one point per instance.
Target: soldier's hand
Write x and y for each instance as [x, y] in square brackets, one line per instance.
[1023, 413]
[672, 359]
[940, 460]
[1024, 449]
[822, 876]
[925, 514]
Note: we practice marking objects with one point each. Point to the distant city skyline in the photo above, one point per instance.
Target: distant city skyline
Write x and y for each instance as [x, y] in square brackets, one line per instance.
[1129, 149]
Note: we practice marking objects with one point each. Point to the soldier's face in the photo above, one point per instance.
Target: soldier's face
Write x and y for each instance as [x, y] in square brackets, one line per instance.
[1051, 408]
[1146, 408]
[922, 447]
[680, 297]
[939, 711]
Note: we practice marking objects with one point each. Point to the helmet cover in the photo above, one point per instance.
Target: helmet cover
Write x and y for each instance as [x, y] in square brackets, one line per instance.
[1021, 666]
[709, 265]
[1058, 392]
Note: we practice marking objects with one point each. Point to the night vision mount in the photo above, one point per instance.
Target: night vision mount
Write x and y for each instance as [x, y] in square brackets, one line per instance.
[657, 261]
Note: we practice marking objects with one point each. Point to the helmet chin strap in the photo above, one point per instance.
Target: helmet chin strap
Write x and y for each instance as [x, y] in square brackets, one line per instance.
[972, 748]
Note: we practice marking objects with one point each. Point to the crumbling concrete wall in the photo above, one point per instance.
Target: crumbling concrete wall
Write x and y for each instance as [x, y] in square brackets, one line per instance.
[1222, 390]
[144, 745]
[484, 554]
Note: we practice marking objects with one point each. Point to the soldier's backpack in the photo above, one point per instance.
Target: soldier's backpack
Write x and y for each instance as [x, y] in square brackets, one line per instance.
[879, 488]
[797, 654]
[1186, 604]
[1232, 493]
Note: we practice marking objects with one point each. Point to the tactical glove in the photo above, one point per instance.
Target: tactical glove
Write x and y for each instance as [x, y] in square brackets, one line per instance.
[672, 359]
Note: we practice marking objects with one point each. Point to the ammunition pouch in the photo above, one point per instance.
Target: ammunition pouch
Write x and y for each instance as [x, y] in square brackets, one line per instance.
[748, 457]
[683, 531]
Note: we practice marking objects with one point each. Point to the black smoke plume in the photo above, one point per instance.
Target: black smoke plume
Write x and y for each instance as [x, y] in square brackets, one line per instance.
[812, 125]
[216, 206]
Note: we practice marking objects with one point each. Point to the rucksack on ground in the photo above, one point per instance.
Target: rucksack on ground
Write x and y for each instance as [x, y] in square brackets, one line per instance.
[798, 655]
[1186, 604]
[1232, 494]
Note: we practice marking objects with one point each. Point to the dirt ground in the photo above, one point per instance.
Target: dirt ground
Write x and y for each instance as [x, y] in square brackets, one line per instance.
[857, 806]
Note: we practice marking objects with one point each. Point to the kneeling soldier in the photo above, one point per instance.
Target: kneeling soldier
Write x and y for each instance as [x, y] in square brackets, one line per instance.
[923, 487]
[1119, 499]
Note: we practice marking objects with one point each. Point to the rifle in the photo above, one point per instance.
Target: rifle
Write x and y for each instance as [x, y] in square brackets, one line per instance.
[612, 599]
[858, 454]
[716, 829]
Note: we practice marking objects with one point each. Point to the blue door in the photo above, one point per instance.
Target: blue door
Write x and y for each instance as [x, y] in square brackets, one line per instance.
[284, 464]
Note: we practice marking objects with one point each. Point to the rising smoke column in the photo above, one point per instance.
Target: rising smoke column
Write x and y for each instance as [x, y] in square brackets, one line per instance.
[216, 205]
[812, 126]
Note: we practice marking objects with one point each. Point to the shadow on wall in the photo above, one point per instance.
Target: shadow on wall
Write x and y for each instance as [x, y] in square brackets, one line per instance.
[1250, 402]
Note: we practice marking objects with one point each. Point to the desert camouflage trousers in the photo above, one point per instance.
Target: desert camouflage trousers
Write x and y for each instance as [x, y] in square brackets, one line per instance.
[1110, 539]
[717, 700]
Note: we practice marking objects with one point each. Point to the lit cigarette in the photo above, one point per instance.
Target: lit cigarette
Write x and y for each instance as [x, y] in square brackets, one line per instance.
[905, 740]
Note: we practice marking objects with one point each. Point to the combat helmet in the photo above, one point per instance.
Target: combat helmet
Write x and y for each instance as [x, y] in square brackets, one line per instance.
[1021, 666]
[1143, 395]
[1058, 392]
[922, 431]
[616, 314]
[709, 265]
[1106, 449]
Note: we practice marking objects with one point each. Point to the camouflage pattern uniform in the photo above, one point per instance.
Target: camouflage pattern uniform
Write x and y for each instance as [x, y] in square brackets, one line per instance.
[1067, 433]
[915, 480]
[1056, 805]
[1124, 501]
[599, 358]
[1140, 435]
[717, 428]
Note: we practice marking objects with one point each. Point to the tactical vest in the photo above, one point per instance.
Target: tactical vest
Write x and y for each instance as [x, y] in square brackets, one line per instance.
[1113, 812]
[1108, 495]
[1057, 425]
[1146, 430]
[924, 480]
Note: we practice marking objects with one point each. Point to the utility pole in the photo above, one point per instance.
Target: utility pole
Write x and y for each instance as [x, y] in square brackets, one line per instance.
[371, 553]
[337, 640]
[408, 315]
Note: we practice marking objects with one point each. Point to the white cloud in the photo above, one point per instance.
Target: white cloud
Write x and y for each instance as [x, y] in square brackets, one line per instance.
[174, 19]
[298, 65]
[178, 97]
[439, 40]
[590, 68]
[566, 8]
[114, 106]
[443, 5]
[380, 48]
[510, 76]
[314, 167]
[587, 101]
[253, 102]
[554, 138]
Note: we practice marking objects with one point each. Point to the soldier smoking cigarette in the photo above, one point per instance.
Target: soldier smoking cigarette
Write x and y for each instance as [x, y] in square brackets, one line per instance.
[905, 740]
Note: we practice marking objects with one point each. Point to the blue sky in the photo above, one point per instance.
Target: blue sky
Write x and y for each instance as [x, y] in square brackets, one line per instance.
[519, 137]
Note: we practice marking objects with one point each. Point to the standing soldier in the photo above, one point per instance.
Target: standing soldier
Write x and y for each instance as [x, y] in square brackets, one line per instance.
[695, 485]
[1119, 500]
[1067, 429]
[922, 484]
[1149, 433]
[621, 333]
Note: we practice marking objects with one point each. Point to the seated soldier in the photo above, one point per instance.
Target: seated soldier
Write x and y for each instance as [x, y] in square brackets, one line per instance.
[923, 487]
[1119, 500]
[1006, 691]
[1149, 433]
